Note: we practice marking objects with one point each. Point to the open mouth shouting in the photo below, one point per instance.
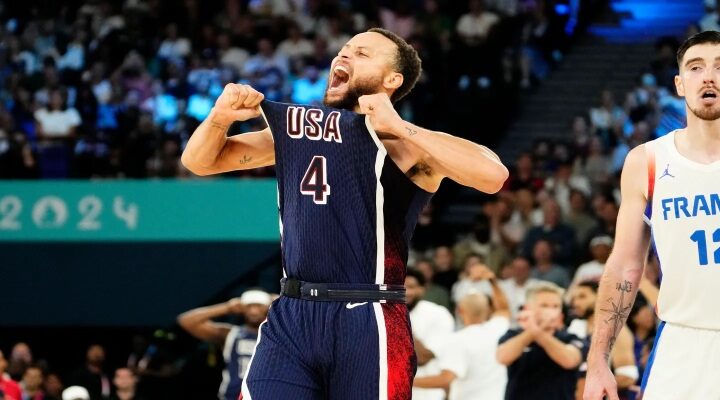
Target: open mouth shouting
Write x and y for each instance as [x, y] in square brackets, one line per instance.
[709, 96]
[339, 79]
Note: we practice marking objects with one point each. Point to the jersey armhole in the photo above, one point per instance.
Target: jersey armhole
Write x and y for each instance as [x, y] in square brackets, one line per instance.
[650, 153]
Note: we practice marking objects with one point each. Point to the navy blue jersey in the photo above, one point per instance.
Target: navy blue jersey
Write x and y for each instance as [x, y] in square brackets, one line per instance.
[347, 212]
[239, 346]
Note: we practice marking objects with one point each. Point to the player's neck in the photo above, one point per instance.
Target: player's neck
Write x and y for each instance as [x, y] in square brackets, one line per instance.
[702, 141]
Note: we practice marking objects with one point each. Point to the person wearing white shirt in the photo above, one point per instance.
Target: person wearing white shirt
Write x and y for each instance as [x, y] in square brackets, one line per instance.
[469, 367]
[515, 288]
[431, 324]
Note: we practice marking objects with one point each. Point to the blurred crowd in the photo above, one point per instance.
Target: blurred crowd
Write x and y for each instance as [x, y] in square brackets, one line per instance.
[105, 89]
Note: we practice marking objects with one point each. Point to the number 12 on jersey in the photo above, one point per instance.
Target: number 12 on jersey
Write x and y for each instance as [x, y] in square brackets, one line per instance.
[700, 238]
[314, 183]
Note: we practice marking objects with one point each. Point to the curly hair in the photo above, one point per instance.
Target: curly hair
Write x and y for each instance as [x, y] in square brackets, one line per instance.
[407, 63]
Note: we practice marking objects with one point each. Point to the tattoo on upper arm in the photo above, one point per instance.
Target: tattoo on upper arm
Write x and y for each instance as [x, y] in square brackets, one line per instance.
[618, 312]
[245, 159]
[411, 131]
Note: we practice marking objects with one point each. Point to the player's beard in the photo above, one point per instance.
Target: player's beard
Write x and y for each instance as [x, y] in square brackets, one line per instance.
[360, 87]
[705, 113]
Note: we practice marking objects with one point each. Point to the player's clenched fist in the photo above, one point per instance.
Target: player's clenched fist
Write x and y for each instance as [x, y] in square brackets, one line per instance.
[238, 103]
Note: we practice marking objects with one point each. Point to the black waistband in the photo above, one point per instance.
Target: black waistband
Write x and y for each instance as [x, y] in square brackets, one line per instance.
[351, 292]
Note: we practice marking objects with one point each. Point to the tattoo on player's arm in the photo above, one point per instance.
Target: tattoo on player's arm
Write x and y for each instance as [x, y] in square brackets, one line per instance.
[245, 159]
[411, 131]
[218, 125]
[617, 313]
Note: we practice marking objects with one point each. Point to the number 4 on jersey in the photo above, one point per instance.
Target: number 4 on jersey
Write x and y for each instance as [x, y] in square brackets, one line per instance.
[314, 183]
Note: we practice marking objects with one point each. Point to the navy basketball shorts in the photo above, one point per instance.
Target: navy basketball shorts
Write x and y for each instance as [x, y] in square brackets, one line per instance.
[332, 350]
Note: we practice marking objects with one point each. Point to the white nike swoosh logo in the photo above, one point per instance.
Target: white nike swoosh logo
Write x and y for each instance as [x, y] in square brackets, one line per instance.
[350, 306]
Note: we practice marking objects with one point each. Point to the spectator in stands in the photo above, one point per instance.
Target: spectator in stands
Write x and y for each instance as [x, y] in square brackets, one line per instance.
[622, 356]
[433, 293]
[21, 357]
[562, 182]
[561, 236]
[335, 36]
[237, 342]
[8, 387]
[471, 280]
[600, 247]
[53, 386]
[92, 376]
[474, 26]
[125, 383]
[468, 363]
[445, 273]
[579, 217]
[607, 211]
[295, 47]
[174, 47]
[31, 384]
[400, 19]
[432, 325]
[517, 284]
[478, 241]
[506, 228]
[710, 21]
[595, 164]
[542, 357]
[524, 175]
[55, 127]
[229, 54]
[606, 116]
[545, 268]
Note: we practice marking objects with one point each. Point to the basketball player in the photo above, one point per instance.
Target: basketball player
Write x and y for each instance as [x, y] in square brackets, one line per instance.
[351, 187]
[237, 342]
[672, 184]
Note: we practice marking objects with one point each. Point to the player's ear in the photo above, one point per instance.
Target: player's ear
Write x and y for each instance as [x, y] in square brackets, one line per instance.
[393, 81]
[679, 87]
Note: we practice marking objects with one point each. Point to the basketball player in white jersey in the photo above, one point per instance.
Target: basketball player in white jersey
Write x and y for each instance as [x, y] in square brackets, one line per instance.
[671, 189]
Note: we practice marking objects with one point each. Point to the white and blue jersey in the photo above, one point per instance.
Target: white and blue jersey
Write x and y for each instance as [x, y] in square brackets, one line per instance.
[683, 212]
[238, 349]
[684, 215]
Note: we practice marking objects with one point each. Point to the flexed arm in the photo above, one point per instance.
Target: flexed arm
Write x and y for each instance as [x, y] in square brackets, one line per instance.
[209, 150]
[461, 160]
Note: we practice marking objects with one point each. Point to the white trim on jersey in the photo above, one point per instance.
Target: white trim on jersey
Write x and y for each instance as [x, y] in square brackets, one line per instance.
[244, 390]
[382, 345]
[227, 352]
[379, 203]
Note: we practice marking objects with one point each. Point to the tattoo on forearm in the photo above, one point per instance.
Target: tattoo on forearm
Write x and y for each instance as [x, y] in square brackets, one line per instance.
[618, 312]
[411, 131]
[218, 125]
[245, 159]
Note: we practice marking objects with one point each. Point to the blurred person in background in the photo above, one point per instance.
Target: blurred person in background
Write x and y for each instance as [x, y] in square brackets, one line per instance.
[9, 387]
[125, 383]
[237, 342]
[32, 383]
[310, 87]
[431, 325]
[542, 357]
[471, 281]
[622, 357]
[545, 268]
[579, 217]
[53, 386]
[92, 376]
[445, 272]
[600, 247]
[559, 235]
[433, 293]
[55, 128]
[516, 286]
[478, 241]
[469, 368]
[21, 357]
